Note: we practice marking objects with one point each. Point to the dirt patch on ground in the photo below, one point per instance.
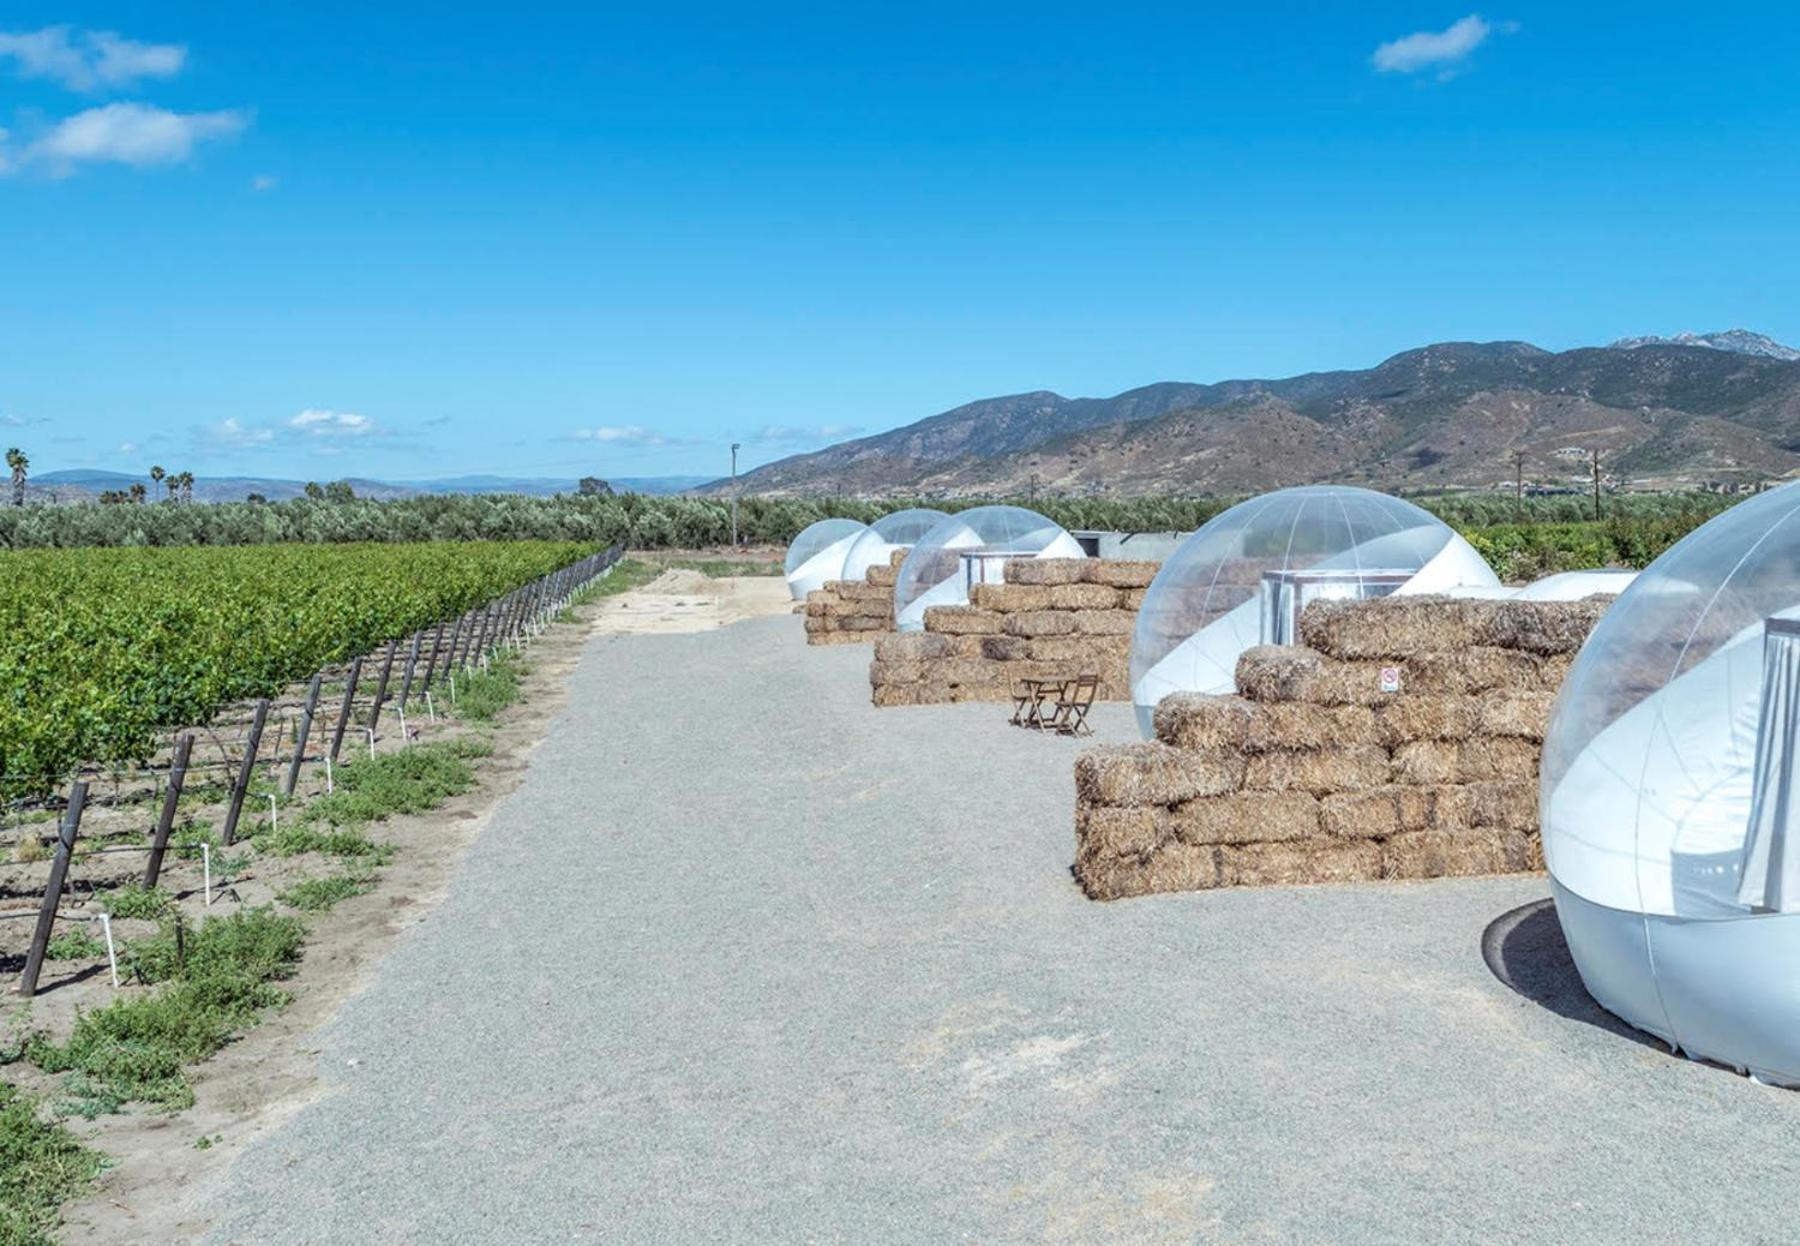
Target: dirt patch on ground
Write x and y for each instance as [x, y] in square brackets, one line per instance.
[682, 600]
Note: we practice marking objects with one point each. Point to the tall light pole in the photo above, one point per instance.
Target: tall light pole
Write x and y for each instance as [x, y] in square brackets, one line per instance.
[735, 446]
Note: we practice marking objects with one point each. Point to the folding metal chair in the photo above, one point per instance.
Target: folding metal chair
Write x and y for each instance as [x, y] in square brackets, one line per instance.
[1072, 705]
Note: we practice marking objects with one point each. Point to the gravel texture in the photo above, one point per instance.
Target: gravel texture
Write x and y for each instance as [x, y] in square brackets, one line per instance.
[746, 960]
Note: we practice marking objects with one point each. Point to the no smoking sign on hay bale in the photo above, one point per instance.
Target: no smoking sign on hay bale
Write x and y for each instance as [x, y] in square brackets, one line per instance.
[1390, 679]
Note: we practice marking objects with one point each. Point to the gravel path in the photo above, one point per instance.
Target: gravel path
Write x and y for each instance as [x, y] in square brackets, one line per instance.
[746, 960]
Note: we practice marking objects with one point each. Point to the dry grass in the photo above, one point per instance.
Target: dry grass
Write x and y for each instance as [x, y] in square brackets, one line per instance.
[1153, 774]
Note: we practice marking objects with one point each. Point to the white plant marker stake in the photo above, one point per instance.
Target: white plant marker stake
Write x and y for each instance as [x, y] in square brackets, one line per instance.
[371, 733]
[404, 738]
[430, 709]
[453, 690]
[274, 817]
[329, 789]
[112, 956]
[206, 869]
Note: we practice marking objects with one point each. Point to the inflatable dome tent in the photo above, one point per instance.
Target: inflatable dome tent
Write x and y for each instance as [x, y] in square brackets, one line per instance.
[1669, 795]
[1244, 577]
[817, 554]
[877, 543]
[971, 548]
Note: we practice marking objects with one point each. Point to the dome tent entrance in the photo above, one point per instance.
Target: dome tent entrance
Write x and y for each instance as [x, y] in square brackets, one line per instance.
[970, 548]
[1244, 577]
[880, 540]
[817, 554]
[1671, 827]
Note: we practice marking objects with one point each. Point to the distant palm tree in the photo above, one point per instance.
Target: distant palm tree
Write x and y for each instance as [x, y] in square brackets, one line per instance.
[187, 487]
[156, 475]
[137, 492]
[15, 459]
[174, 485]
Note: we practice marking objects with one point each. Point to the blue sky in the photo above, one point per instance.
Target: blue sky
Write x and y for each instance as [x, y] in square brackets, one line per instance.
[413, 240]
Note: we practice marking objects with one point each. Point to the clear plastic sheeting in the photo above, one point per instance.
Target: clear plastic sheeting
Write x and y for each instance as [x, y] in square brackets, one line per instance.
[817, 554]
[1244, 577]
[1666, 837]
[886, 536]
[971, 547]
[1575, 585]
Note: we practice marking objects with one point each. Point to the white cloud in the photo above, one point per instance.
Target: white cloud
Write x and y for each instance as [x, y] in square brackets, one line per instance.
[317, 423]
[89, 60]
[135, 134]
[627, 435]
[128, 447]
[238, 435]
[263, 181]
[1442, 50]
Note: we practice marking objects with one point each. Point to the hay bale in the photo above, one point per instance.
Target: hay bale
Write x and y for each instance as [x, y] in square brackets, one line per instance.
[1426, 716]
[837, 638]
[1387, 627]
[1132, 598]
[1507, 804]
[1039, 623]
[1044, 570]
[988, 693]
[899, 672]
[1487, 758]
[1088, 650]
[1196, 720]
[1290, 864]
[1320, 771]
[1120, 572]
[1112, 831]
[1010, 598]
[851, 590]
[1082, 597]
[1005, 648]
[889, 695]
[1542, 627]
[913, 647]
[1245, 818]
[1173, 867]
[1302, 725]
[1553, 670]
[1525, 715]
[1153, 774]
[882, 577]
[1425, 762]
[1455, 854]
[1275, 672]
[962, 621]
[1389, 810]
[1480, 668]
[869, 623]
[1103, 622]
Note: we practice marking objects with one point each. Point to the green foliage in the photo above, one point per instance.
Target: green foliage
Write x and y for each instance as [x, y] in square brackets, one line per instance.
[412, 780]
[131, 900]
[215, 982]
[292, 841]
[481, 695]
[101, 647]
[41, 1167]
[75, 943]
[316, 895]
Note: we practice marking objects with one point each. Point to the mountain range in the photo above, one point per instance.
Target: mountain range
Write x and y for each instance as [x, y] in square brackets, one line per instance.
[1660, 412]
[78, 484]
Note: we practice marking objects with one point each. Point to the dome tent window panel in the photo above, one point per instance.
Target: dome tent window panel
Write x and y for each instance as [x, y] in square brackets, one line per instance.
[817, 554]
[881, 540]
[1670, 820]
[1243, 578]
[971, 547]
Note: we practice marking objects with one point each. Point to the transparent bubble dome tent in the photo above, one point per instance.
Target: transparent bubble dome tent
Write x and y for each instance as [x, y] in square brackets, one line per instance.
[969, 548]
[1244, 577]
[1669, 795]
[817, 554]
[879, 541]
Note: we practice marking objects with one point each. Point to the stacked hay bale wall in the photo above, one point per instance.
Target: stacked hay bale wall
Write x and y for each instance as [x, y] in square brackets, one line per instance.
[1051, 618]
[854, 612]
[1400, 740]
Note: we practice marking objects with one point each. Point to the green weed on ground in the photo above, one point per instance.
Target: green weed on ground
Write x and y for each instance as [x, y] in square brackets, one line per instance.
[41, 1167]
[317, 895]
[412, 780]
[132, 900]
[77, 943]
[214, 981]
[481, 695]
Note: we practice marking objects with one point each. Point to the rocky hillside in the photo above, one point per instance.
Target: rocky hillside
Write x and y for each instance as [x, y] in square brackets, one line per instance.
[1453, 414]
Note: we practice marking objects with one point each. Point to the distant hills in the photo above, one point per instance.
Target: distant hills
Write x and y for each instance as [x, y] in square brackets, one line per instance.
[1662, 412]
[75, 484]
